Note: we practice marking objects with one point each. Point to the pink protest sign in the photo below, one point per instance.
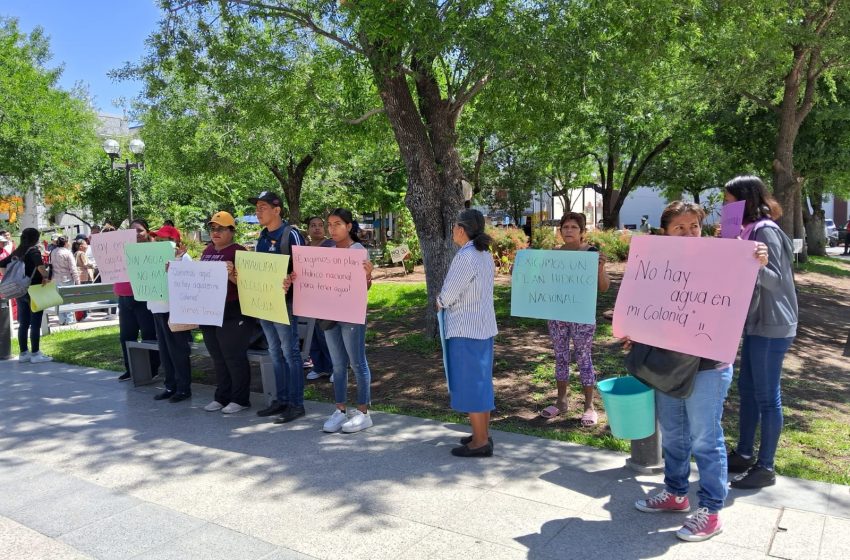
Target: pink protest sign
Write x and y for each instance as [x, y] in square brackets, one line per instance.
[108, 252]
[687, 294]
[731, 218]
[330, 283]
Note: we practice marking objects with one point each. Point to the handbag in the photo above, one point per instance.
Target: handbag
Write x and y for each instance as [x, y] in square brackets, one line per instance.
[668, 371]
[181, 327]
[43, 296]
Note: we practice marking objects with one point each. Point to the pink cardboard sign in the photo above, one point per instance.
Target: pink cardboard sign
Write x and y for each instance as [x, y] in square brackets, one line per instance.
[731, 219]
[687, 294]
[330, 283]
[108, 252]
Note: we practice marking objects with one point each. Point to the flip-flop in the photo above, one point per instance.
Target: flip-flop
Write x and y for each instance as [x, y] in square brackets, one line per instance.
[550, 412]
[589, 418]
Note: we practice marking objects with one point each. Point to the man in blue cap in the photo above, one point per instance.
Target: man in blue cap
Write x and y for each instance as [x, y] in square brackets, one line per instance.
[278, 237]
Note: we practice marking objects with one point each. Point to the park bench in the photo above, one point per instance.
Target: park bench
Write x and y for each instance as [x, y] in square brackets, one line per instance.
[138, 355]
[80, 297]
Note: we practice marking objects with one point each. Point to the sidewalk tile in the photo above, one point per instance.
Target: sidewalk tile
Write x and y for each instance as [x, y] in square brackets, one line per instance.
[839, 501]
[798, 535]
[210, 542]
[835, 543]
[130, 532]
[65, 512]
[326, 528]
[748, 526]
[446, 545]
[18, 542]
[509, 521]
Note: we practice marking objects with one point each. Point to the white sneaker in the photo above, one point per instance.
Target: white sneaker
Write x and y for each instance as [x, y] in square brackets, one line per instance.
[232, 407]
[356, 422]
[315, 374]
[24, 357]
[331, 378]
[213, 406]
[335, 422]
[38, 357]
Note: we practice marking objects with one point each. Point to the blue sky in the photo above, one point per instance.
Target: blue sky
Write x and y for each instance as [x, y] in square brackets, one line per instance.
[90, 38]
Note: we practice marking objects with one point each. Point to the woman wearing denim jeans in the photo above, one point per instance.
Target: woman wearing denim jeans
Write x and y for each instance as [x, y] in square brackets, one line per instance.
[347, 341]
[768, 333]
[691, 425]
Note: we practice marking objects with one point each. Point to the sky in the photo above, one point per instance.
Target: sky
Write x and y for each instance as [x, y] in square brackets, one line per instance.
[90, 38]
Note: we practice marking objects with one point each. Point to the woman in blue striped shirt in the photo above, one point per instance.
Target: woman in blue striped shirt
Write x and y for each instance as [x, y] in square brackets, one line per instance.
[470, 326]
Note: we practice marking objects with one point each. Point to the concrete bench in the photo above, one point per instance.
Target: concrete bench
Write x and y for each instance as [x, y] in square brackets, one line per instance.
[138, 354]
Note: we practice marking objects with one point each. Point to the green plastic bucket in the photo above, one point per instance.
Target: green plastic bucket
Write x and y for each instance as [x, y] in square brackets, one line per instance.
[630, 406]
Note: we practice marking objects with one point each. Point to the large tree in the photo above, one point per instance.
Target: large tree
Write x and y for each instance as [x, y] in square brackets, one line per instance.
[46, 133]
[776, 53]
[244, 103]
[427, 59]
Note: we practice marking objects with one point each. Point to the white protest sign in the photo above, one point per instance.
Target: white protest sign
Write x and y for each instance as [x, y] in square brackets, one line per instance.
[399, 253]
[196, 292]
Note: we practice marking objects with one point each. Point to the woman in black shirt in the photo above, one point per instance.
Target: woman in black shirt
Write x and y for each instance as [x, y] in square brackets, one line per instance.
[34, 268]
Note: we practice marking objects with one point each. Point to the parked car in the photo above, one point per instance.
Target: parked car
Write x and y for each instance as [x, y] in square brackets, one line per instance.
[842, 233]
[830, 232]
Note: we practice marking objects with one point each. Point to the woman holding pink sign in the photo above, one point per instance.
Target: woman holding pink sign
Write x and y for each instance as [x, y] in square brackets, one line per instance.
[688, 412]
[768, 333]
[347, 341]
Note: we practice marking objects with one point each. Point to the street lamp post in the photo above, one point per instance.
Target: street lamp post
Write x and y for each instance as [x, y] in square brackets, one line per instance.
[113, 150]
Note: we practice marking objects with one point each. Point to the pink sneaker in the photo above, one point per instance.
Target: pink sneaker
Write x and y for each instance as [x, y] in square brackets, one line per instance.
[664, 501]
[700, 526]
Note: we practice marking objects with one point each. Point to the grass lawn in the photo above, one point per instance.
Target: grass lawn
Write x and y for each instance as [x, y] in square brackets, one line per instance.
[408, 378]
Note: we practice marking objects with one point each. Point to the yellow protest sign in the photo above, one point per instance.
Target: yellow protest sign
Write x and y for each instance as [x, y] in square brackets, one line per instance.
[260, 282]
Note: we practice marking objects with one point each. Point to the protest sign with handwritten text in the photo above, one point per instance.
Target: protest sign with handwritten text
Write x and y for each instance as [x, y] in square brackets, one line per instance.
[330, 283]
[687, 294]
[108, 251]
[196, 292]
[557, 285]
[731, 218]
[399, 253]
[260, 281]
[146, 269]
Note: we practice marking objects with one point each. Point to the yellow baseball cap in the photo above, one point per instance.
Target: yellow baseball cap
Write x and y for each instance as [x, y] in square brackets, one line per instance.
[223, 219]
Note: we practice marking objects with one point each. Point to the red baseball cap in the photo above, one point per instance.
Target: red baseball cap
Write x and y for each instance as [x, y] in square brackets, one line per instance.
[168, 231]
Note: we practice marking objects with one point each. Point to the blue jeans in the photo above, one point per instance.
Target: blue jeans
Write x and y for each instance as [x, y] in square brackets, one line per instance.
[319, 352]
[286, 360]
[761, 397]
[28, 322]
[347, 344]
[692, 426]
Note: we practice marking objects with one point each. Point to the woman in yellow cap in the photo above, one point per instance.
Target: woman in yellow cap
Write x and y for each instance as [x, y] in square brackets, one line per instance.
[228, 344]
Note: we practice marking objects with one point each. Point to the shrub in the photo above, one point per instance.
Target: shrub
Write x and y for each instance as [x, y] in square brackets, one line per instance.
[611, 243]
[543, 237]
[405, 233]
[506, 242]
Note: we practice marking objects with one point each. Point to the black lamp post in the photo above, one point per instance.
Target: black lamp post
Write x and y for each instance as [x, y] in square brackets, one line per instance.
[113, 150]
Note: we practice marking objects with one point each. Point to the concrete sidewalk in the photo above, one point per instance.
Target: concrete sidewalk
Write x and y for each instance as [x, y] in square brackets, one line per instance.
[93, 468]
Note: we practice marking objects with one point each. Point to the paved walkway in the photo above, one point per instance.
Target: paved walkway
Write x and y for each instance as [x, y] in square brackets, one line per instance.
[93, 468]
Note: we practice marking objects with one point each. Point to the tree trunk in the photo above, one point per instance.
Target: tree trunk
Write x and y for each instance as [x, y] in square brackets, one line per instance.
[814, 221]
[434, 195]
[291, 183]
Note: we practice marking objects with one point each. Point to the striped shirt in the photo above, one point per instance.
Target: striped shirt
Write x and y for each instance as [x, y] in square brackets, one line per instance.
[467, 295]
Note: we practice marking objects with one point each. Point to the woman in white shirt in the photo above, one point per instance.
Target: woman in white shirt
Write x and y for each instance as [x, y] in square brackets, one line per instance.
[466, 301]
